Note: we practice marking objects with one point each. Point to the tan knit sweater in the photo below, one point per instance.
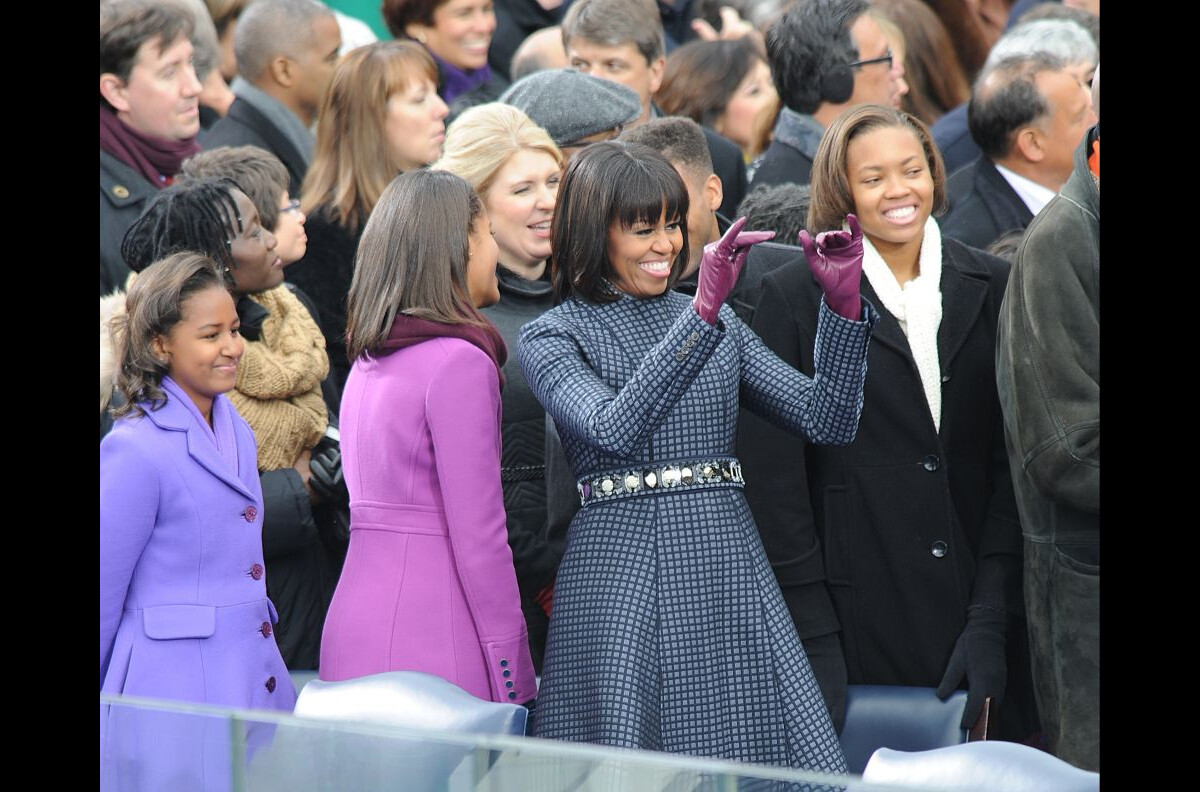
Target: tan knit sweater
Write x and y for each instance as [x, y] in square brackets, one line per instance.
[278, 388]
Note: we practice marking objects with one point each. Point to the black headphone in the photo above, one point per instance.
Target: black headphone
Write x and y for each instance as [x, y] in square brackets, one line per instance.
[837, 84]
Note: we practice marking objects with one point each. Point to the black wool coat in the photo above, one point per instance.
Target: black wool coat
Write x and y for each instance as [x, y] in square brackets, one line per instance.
[891, 538]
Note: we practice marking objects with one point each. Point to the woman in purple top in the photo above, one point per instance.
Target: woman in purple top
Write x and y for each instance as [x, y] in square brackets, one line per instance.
[428, 584]
[184, 612]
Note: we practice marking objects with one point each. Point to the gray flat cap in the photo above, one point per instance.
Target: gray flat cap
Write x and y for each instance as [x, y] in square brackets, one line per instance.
[570, 105]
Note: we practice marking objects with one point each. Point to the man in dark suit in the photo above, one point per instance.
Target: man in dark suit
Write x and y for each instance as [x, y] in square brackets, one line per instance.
[637, 60]
[286, 51]
[1065, 38]
[1028, 114]
[825, 56]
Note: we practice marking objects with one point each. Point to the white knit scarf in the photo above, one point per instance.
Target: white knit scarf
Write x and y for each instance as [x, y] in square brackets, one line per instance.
[917, 306]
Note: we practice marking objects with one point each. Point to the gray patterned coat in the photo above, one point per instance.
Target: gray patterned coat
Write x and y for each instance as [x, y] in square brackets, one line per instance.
[668, 630]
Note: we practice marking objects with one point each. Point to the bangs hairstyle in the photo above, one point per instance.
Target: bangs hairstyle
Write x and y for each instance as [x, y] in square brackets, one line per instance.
[831, 198]
[610, 184]
[352, 160]
[412, 258]
[154, 306]
[485, 137]
[201, 217]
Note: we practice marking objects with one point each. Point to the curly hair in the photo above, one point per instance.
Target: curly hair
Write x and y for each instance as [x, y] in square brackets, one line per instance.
[155, 304]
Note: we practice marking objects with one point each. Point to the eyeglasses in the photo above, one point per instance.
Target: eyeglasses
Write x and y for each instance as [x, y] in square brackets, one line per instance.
[291, 206]
[887, 58]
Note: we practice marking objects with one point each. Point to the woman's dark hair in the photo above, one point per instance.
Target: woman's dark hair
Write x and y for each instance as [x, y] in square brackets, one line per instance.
[398, 14]
[201, 217]
[155, 305]
[412, 258]
[607, 184]
[701, 77]
[831, 198]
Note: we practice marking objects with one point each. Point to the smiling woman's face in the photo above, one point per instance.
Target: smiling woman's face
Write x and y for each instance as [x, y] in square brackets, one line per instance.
[891, 185]
[641, 257]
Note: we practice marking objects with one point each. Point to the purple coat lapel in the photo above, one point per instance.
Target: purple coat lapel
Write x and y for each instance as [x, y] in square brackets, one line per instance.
[233, 466]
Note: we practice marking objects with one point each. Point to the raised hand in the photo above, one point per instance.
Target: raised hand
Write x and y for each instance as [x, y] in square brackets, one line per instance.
[720, 266]
[835, 258]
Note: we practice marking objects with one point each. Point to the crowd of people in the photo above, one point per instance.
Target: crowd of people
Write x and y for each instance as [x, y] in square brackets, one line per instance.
[663, 369]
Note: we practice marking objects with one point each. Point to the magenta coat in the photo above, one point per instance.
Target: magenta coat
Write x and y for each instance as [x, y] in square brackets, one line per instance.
[184, 612]
[428, 583]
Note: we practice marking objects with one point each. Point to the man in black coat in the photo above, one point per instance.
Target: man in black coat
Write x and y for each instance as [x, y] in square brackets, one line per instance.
[825, 55]
[286, 52]
[1028, 113]
[637, 60]
[148, 121]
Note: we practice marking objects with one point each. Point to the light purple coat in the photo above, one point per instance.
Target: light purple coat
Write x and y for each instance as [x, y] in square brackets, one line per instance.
[184, 612]
[428, 583]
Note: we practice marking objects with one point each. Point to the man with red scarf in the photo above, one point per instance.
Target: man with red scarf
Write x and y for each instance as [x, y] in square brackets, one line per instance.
[149, 115]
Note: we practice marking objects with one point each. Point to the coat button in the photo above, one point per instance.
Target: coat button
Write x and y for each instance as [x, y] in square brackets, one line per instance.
[250, 513]
[256, 571]
[932, 463]
[121, 191]
[945, 378]
[265, 629]
[504, 664]
[507, 673]
[939, 549]
[512, 695]
[270, 684]
[508, 684]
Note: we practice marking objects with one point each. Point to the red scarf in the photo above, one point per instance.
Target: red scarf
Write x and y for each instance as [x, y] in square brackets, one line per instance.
[158, 159]
[410, 330]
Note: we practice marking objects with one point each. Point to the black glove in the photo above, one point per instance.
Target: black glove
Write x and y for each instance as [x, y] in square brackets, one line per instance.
[326, 466]
[979, 656]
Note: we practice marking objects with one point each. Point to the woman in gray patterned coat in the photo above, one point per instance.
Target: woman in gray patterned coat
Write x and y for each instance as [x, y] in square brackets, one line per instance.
[668, 630]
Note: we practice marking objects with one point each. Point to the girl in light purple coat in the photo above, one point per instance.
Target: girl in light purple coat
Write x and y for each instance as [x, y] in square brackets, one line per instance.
[428, 584]
[184, 612]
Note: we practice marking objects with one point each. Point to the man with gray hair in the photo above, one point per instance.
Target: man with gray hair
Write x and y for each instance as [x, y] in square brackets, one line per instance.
[1063, 38]
[286, 52]
[1027, 113]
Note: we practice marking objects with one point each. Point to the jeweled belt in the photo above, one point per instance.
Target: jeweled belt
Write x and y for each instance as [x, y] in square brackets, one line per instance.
[652, 478]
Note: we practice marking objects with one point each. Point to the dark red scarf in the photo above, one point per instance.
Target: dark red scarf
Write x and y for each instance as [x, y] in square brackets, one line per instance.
[410, 330]
[158, 159]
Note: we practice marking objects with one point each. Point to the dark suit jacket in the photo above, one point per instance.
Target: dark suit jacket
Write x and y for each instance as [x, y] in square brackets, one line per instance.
[244, 125]
[983, 206]
[954, 140]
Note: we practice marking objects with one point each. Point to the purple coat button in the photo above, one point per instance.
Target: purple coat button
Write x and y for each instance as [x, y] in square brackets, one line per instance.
[250, 513]
[265, 629]
[270, 684]
[256, 571]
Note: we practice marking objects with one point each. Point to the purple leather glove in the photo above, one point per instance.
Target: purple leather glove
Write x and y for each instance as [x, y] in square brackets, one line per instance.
[836, 259]
[720, 265]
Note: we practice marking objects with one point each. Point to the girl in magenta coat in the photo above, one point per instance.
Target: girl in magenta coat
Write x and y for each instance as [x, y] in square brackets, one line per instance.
[428, 584]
